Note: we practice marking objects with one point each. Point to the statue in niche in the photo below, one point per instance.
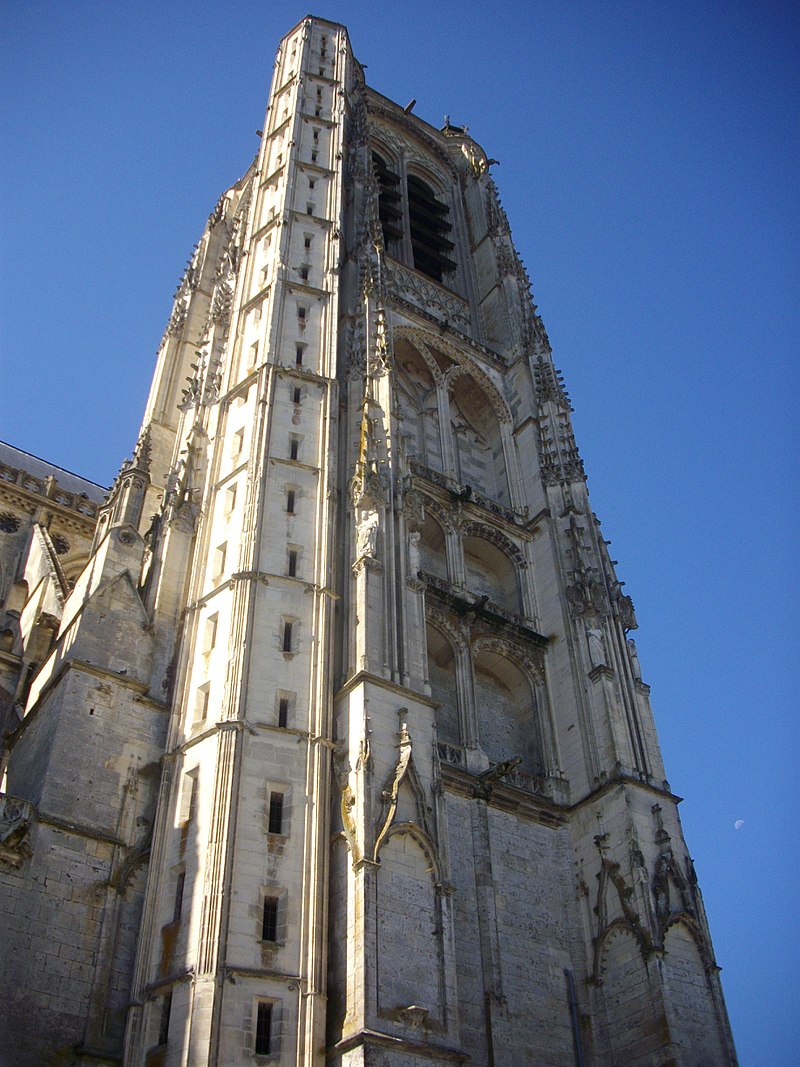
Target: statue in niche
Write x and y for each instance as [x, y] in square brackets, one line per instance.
[413, 553]
[633, 656]
[597, 645]
[661, 888]
[367, 536]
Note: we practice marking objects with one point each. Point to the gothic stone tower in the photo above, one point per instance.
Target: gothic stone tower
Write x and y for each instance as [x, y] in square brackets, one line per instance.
[372, 772]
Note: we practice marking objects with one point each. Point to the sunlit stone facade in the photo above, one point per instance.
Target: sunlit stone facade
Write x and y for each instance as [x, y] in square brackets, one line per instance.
[338, 751]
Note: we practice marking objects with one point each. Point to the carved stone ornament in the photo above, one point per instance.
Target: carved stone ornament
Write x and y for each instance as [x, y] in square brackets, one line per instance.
[484, 786]
[391, 792]
[341, 774]
[8, 523]
[16, 818]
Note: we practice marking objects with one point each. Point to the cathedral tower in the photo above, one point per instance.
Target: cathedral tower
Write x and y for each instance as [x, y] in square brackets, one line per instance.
[376, 775]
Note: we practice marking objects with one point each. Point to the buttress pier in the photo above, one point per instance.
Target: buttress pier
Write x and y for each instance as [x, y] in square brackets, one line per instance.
[340, 751]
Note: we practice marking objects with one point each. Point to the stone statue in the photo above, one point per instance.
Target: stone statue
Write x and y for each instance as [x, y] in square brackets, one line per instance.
[633, 655]
[597, 646]
[413, 553]
[367, 538]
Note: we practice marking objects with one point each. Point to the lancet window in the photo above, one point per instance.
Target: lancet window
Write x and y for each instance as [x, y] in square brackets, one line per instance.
[418, 230]
[491, 573]
[418, 407]
[506, 710]
[478, 443]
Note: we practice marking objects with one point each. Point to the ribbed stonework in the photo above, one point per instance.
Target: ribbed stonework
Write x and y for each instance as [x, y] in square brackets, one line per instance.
[339, 749]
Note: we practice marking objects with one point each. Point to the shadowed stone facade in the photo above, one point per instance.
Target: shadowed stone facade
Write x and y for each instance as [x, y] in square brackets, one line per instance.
[326, 737]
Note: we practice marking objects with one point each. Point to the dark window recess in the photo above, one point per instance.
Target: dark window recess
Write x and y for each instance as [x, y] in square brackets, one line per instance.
[276, 813]
[283, 711]
[294, 444]
[296, 395]
[269, 921]
[178, 906]
[290, 502]
[292, 568]
[298, 355]
[389, 206]
[264, 1030]
[429, 229]
[163, 1022]
[287, 637]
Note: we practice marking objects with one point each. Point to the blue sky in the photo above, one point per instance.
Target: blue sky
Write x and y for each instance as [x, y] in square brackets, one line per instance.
[649, 166]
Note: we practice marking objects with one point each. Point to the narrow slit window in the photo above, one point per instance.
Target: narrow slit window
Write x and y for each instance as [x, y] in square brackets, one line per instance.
[296, 394]
[263, 1042]
[177, 907]
[314, 157]
[301, 314]
[303, 272]
[309, 209]
[287, 636]
[269, 919]
[283, 711]
[291, 569]
[307, 242]
[298, 355]
[163, 1022]
[276, 813]
[290, 502]
[294, 446]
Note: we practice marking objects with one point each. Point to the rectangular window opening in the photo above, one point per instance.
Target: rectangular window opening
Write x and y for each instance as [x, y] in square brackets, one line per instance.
[189, 796]
[290, 502]
[276, 813]
[291, 569]
[263, 1042]
[210, 633]
[303, 272]
[237, 443]
[269, 919]
[314, 157]
[296, 394]
[298, 355]
[307, 242]
[294, 447]
[287, 636]
[220, 555]
[201, 703]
